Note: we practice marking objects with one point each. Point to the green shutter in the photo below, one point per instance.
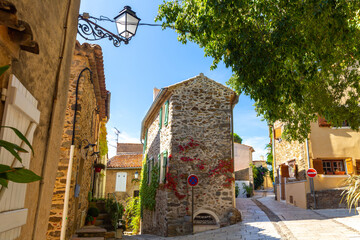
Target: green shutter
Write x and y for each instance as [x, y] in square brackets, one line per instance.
[166, 112]
[148, 170]
[159, 161]
[165, 155]
[145, 141]
[160, 118]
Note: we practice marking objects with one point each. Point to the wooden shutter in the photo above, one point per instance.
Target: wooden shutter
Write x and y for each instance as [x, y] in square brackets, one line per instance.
[160, 118]
[322, 122]
[277, 133]
[20, 111]
[121, 182]
[165, 158]
[349, 166]
[166, 113]
[160, 166]
[284, 170]
[318, 166]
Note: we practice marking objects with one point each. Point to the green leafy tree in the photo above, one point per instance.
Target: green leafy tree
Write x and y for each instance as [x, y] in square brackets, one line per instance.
[296, 59]
[237, 138]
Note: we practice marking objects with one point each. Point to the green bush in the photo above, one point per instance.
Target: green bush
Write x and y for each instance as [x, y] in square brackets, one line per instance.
[115, 210]
[93, 211]
[258, 174]
[237, 190]
[132, 214]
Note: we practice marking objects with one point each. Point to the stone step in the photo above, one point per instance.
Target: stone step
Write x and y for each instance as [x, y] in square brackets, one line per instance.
[110, 234]
[99, 222]
[102, 216]
[91, 231]
[87, 238]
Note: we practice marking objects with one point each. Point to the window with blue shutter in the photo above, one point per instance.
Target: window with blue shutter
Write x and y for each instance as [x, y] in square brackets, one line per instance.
[166, 113]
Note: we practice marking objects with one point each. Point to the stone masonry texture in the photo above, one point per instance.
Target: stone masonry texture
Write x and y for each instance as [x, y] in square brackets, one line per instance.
[200, 109]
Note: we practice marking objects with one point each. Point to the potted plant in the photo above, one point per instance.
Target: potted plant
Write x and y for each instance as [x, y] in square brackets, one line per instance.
[247, 190]
[115, 210]
[93, 212]
[89, 220]
[98, 167]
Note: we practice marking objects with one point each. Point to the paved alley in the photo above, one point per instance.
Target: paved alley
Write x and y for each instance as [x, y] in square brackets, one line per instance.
[265, 218]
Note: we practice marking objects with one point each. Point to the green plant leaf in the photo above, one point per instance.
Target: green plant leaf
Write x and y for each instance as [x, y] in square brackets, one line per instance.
[12, 148]
[3, 181]
[4, 168]
[22, 175]
[21, 136]
[3, 69]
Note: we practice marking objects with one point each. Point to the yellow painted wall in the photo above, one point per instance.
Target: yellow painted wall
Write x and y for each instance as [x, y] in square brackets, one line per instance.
[298, 191]
[327, 142]
[323, 182]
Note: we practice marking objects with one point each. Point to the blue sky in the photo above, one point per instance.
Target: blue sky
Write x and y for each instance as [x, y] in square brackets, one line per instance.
[154, 58]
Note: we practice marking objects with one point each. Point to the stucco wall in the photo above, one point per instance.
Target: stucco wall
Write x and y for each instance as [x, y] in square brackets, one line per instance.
[46, 77]
[297, 191]
[242, 156]
[199, 109]
[131, 186]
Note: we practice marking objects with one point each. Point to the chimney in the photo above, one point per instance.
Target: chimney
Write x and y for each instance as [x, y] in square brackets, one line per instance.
[155, 93]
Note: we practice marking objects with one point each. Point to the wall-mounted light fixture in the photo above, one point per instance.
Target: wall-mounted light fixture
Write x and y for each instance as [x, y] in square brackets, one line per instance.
[126, 24]
[136, 175]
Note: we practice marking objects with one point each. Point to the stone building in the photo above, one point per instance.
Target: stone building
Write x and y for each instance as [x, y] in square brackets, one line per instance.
[333, 152]
[37, 39]
[92, 108]
[243, 171]
[188, 130]
[123, 172]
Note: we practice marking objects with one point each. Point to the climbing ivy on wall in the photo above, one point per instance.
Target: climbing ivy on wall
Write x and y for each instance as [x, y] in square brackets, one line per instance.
[148, 191]
[102, 139]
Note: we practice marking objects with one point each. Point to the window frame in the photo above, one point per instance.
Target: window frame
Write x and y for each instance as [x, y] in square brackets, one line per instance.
[333, 167]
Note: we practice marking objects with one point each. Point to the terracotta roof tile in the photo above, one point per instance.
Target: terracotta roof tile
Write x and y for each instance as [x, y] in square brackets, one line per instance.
[126, 161]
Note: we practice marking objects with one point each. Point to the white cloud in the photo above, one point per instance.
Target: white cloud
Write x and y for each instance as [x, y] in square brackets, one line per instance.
[259, 144]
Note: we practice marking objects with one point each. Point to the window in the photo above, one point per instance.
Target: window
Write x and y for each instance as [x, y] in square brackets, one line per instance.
[136, 193]
[166, 113]
[329, 166]
[292, 169]
[120, 182]
[160, 118]
[164, 166]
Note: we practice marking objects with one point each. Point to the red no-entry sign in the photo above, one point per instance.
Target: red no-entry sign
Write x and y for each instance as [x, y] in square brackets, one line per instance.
[193, 180]
[311, 172]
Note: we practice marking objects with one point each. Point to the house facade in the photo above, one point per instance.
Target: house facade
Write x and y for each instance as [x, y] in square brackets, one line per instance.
[243, 170]
[333, 152]
[188, 130]
[92, 112]
[123, 172]
[37, 38]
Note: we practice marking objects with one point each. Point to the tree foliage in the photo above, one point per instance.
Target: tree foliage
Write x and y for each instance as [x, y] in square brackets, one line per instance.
[237, 138]
[258, 174]
[295, 58]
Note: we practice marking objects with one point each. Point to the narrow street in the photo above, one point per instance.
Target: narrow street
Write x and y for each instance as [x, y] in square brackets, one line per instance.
[265, 218]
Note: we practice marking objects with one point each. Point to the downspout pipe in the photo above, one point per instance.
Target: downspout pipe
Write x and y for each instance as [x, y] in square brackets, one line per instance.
[72, 148]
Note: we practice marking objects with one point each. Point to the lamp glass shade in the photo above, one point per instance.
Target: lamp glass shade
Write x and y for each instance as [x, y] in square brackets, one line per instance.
[136, 175]
[127, 23]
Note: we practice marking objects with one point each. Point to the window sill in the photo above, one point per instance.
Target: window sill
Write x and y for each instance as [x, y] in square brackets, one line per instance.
[333, 176]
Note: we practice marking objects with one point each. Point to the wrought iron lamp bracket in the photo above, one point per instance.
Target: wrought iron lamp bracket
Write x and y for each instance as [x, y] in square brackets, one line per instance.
[93, 32]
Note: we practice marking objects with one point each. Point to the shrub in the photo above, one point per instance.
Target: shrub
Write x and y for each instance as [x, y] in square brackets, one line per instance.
[93, 211]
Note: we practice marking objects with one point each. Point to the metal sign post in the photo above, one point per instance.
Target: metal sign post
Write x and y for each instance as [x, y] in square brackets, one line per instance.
[311, 172]
[192, 180]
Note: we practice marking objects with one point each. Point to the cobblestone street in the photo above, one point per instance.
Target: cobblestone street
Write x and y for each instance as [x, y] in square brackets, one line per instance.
[265, 218]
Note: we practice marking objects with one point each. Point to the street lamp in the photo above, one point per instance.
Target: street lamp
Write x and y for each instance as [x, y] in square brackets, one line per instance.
[136, 175]
[126, 24]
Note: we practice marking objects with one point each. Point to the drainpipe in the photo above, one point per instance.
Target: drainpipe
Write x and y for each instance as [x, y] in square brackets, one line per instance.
[69, 172]
[274, 159]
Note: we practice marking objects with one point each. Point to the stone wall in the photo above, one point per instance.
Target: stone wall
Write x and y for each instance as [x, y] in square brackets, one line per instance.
[46, 76]
[199, 109]
[286, 151]
[82, 165]
[131, 185]
[326, 199]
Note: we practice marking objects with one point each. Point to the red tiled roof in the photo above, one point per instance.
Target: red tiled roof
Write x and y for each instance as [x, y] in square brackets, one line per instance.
[125, 161]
